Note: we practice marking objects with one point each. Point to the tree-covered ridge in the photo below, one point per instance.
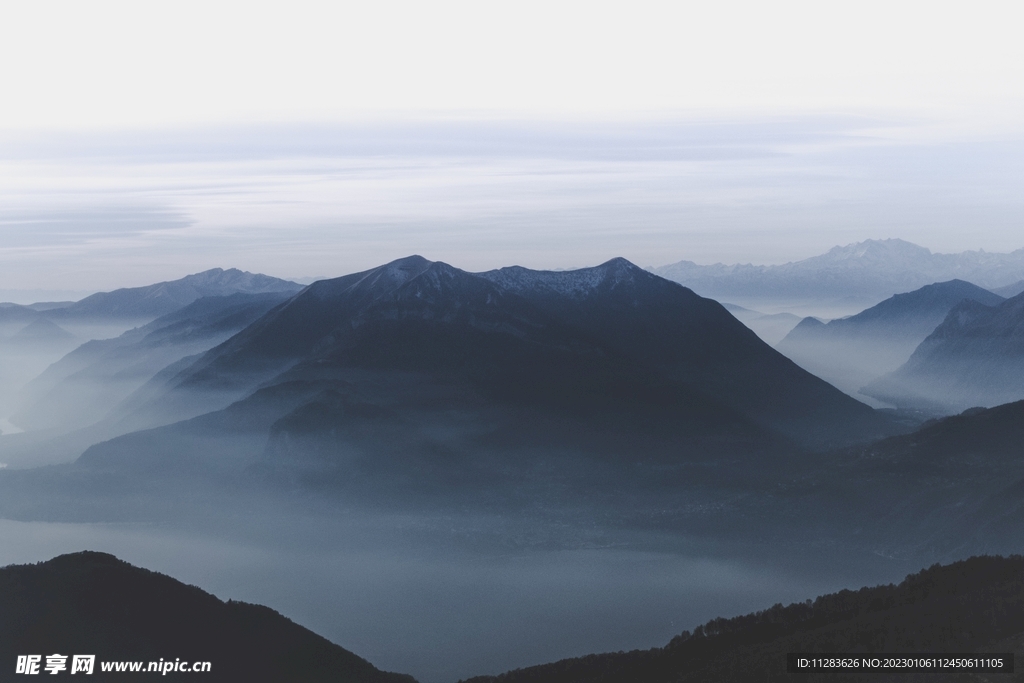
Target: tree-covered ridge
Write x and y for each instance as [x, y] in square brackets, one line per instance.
[971, 605]
[92, 603]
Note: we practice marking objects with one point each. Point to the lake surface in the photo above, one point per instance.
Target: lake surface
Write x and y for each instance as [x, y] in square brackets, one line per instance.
[409, 601]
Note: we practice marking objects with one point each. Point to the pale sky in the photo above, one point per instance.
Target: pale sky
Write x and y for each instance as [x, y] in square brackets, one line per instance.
[143, 141]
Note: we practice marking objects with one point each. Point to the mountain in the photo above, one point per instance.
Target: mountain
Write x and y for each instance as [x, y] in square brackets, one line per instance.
[974, 358]
[975, 605]
[853, 275]
[83, 386]
[850, 352]
[953, 487]
[42, 332]
[14, 317]
[162, 298]
[94, 604]
[1010, 290]
[586, 339]
[771, 327]
[603, 390]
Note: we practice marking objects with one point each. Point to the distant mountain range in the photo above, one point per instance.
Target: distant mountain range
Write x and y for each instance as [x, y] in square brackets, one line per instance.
[850, 352]
[417, 381]
[974, 358]
[91, 603]
[164, 297]
[854, 276]
[976, 605]
[146, 303]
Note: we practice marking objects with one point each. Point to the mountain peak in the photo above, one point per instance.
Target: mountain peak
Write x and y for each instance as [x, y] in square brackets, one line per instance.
[871, 250]
[373, 282]
[163, 297]
[576, 283]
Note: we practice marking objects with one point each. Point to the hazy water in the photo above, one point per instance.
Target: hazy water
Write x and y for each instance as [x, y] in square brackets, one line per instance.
[444, 611]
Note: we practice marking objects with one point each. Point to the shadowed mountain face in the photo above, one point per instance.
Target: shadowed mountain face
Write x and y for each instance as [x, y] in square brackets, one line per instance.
[974, 358]
[612, 340]
[850, 352]
[155, 300]
[93, 603]
[976, 605]
[417, 380]
[955, 485]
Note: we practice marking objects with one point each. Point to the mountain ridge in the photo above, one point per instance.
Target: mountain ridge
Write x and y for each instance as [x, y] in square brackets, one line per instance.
[864, 272]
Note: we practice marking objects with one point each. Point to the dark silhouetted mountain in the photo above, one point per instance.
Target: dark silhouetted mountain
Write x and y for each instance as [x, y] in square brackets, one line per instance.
[974, 358]
[613, 334]
[162, 298]
[81, 388]
[954, 486]
[692, 340]
[975, 605]
[865, 272]
[850, 352]
[93, 603]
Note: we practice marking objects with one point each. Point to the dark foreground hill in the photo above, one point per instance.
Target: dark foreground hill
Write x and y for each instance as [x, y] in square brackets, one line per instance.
[975, 605]
[93, 603]
[850, 352]
[974, 358]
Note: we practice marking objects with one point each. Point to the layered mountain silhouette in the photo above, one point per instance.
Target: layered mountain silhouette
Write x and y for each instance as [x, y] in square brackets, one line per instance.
[861, 273]
[974, 358]
[850, 352]
[956, 485]
[164, 297]
[95, 604]
[86, 384]
[975, 605]
[1010, 290]
[612, 338]
[419, 381]
[771, 327]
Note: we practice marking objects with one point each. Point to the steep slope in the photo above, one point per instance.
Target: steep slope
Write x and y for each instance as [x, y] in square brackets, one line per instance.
[850, 352]
[418, 376]
[968, 606]
[525, 335]
[974, 358]
[864, 272]
[93, 603]
[155, 300]
[694, 341]
[86, 384]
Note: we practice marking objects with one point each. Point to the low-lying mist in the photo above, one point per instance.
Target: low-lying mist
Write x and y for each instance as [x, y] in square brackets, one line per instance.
[444, 598]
